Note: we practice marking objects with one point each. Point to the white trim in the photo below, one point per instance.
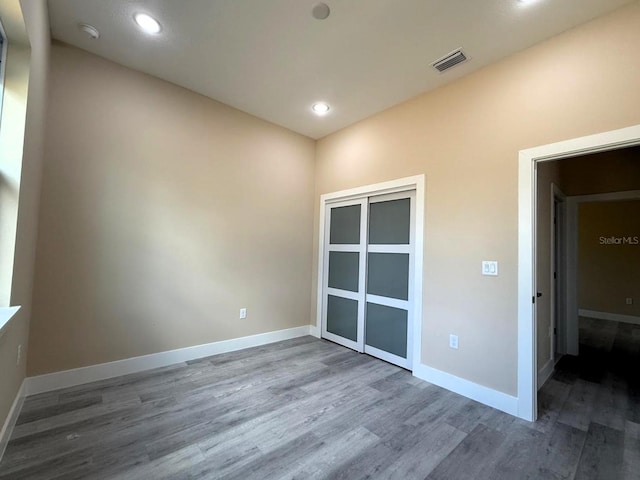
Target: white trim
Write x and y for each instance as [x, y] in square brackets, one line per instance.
[314, 331]
[389, 301]
[480, 393]
[383, 188]
[545, 373]
[625, 137]
[79, 376]
[404, 249]
[344, 248]
[615, 317]
[336, 292]
[12, 417]
[527, 401]
[418, 269]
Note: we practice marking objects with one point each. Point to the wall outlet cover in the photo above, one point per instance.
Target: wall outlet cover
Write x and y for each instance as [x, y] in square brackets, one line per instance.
[490, 267]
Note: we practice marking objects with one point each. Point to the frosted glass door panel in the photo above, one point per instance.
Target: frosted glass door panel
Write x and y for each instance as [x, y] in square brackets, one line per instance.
[345, 225]
[344, 270]
[390, 222]
[342, 317]
[386, 329]
[388, 275]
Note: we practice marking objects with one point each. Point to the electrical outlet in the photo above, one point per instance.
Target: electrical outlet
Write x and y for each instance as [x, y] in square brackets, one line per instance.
[453, 341]
[243, 313]
[629, 301]
[19, 354]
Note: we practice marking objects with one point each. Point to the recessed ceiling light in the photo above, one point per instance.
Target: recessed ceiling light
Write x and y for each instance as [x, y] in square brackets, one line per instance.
[320, 108]
[147, 23]
[527, 2]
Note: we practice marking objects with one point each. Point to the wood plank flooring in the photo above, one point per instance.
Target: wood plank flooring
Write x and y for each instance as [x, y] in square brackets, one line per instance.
[310, 409]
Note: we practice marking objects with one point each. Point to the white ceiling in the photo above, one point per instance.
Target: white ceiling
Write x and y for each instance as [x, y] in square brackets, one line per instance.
[272, 59]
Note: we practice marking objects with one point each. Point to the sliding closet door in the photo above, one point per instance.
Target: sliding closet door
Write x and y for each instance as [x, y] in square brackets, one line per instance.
[344, 273]
[368, 275]
[389, 273]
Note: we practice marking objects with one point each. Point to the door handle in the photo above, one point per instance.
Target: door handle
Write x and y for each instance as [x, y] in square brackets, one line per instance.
[538, 295]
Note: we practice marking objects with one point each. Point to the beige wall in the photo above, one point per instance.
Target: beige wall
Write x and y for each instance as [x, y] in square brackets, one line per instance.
[465, 137]
[609, 273]
[153, 240]
[163, 213]
[21, 188]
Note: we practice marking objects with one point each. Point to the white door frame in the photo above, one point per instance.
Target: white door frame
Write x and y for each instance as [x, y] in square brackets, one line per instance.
[527, 371]
[416, 183]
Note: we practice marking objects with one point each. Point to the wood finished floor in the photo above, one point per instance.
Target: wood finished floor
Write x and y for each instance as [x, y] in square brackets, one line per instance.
[309, 409]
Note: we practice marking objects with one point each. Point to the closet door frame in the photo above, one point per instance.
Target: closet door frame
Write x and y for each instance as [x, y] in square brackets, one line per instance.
[416, 183]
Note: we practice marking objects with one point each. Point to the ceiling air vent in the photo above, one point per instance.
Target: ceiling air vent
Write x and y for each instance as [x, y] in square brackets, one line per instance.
[450, 60]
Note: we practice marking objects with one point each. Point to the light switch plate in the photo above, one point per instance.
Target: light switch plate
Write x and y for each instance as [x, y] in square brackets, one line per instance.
[490, 267]
[453, 341]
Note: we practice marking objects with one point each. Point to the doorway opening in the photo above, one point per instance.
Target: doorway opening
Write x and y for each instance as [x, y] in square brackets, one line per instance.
[539, 293]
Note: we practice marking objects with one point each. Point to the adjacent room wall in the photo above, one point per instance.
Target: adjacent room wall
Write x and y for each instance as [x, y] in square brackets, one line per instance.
[163, 213]
[609, 257]
[605, 172]
[466, 137]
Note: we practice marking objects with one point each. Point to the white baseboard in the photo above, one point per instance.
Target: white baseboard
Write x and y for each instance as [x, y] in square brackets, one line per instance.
[10, 422]
[545, 373]
[92, 373]
[314, 331]
[488, 396]
[616, 317]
